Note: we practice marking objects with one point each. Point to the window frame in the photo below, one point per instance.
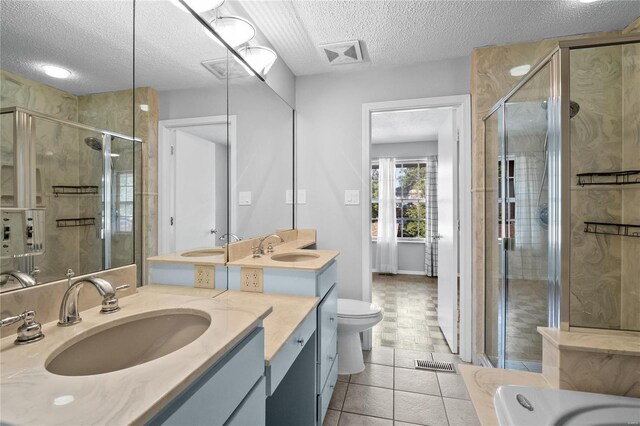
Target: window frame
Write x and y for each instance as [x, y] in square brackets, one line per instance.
[422, 162]
[120, 203]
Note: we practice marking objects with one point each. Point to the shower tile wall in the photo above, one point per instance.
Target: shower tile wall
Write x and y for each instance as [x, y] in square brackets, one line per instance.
[630, 311]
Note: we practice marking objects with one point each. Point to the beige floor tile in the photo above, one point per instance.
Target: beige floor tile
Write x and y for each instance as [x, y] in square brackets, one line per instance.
[444, 357]
[419, 409]
[349, 419]
[374, 375]
[416, 381]
[344, 377]
[405, 357]
[339, 392]
[379, 355]
[460, 412]
[331, 418]
[369, 400]
[452, 386]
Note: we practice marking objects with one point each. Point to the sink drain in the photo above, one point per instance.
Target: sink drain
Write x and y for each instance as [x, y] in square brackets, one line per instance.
[446, 367]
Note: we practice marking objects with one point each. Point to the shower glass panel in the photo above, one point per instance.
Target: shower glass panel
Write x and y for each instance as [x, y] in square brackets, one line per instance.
[7, 180]
[493, 242]
[524, 201]
[122, 202]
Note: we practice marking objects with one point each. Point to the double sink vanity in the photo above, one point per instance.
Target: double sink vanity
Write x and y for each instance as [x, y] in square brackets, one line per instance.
[181, 354]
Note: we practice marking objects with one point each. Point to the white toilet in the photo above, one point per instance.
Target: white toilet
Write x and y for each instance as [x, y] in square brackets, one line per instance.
[354, 317]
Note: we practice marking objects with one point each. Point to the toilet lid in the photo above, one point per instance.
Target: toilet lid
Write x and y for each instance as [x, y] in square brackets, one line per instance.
[357, 309]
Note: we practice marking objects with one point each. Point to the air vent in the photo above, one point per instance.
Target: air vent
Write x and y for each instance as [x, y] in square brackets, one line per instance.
[346, 52]
[446, 367]
[218, 67]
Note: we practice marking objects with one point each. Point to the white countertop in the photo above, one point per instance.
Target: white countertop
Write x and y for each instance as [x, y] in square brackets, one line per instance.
[31, 394]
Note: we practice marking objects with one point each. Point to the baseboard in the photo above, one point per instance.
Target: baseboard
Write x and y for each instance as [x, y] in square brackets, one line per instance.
[403, 272]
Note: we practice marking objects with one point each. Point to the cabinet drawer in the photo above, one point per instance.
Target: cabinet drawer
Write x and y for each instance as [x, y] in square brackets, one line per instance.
[252, 411]
[289, 352]
[327, 278]
[325, 363]
[327, 392]
[215, 395]
[327, 319]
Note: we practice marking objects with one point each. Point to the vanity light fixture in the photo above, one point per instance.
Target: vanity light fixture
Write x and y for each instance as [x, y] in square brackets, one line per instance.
[260, 58]
[199, 6]
[56, 72]
[520, 70]
[232, 29]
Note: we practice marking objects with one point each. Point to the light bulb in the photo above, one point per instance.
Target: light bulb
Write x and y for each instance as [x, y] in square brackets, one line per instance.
[56, 72]
[260, 58]
[232, 29]
[199, 6]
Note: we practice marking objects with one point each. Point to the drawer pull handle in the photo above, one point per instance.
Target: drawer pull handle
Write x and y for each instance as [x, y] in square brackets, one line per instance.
[300, 341]
[332, 319]
[331, 386]
[330, 358]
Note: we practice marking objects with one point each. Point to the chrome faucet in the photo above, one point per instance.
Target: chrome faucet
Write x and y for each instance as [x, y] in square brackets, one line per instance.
[259, 251]
[69, 313]
[230, 235]
[24, 279]
[29, 332]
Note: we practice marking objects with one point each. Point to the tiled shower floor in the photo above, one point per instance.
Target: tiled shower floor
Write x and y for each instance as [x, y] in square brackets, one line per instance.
[410, 304]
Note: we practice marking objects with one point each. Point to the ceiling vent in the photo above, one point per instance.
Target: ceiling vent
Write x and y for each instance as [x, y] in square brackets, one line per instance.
[218, 67]
[346, 52]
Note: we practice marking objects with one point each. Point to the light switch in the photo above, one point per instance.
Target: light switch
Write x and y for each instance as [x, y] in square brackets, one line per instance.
[302, 196]
[244, 198]
[288, 197]
[352, 197]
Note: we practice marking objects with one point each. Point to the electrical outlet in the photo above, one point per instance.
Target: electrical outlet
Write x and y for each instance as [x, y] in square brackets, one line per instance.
[251, 279]
[204, 276]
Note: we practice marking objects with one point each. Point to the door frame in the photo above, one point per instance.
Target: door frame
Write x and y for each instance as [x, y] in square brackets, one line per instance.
[463, 104]
[166, 179]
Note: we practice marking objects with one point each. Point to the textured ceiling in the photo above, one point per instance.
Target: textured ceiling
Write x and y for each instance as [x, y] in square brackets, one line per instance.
[417, 125]
[397, 32]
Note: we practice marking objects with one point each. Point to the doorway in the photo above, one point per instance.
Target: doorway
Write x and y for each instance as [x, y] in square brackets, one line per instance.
[197, 156]
[432, 246]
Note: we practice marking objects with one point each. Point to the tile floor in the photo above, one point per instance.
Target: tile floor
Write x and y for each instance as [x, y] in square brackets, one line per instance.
[391, 392]
[410, 304]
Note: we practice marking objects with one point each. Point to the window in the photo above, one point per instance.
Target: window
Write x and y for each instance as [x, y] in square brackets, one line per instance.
[510, 220]
[124, 202]
[410, 185]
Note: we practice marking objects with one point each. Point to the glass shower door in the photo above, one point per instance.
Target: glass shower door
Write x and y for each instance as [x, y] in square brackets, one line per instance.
[525, 206]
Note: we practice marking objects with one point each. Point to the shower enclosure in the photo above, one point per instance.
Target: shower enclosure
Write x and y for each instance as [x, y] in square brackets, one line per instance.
[84, 179]
[562, 200]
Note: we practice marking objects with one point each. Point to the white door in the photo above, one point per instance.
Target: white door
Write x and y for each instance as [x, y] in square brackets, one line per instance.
[194, 192]
[448, 231]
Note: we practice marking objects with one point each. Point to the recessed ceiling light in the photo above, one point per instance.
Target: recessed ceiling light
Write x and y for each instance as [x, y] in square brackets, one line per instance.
[233, 30]
[199, 6]
[520, 70]
[144, 107]
[56, 72]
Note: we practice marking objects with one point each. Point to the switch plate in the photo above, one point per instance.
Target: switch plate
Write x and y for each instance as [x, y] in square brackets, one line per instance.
[302, 196]
[244, 198]
[204, 276]
[352, 197]
[288, 196]
[251, 279]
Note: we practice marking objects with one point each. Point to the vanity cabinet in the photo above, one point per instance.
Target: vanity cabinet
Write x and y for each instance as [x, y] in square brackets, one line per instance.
[305, 282]
[231, 392]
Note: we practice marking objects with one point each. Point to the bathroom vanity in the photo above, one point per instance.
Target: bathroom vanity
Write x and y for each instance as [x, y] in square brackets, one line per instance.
[198, 267]
[289, 270]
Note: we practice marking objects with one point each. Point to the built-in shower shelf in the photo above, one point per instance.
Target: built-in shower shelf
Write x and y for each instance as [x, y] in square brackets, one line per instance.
[623, 177]
[80, 221]
[74, 190]
[621, 229]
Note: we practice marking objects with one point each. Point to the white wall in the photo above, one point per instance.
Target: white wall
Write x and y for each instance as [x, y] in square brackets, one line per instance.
[329, 147]
[410, 257]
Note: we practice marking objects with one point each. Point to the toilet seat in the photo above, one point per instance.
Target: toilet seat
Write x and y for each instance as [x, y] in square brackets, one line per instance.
[349, 308]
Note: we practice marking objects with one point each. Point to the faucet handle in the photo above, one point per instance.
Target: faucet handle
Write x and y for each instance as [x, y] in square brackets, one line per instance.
[270, 248]
[110, 302]
[29, 332]
[256, 251]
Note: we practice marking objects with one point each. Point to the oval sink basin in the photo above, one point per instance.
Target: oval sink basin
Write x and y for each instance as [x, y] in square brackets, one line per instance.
[128, 344]
[294, 257]
[203, 252]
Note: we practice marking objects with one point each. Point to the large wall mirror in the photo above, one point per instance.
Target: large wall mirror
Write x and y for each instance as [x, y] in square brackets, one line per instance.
[147, 145]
